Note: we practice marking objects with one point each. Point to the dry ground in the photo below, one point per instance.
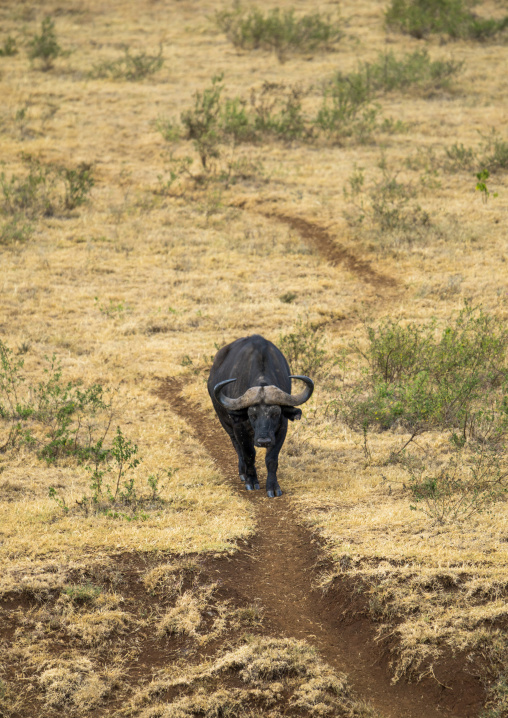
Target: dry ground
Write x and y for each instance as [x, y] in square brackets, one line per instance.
[171, 609]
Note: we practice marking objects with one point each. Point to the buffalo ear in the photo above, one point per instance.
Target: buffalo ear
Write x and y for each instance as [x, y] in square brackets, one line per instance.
[291, 413]
[237, 417]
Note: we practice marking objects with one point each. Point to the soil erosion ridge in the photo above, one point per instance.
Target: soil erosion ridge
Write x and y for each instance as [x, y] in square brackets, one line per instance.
[276, 570]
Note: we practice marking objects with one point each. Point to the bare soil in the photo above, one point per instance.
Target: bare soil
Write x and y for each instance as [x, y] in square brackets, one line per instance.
[278, 569]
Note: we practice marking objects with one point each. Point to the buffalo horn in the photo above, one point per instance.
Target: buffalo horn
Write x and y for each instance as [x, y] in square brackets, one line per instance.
[263, 395]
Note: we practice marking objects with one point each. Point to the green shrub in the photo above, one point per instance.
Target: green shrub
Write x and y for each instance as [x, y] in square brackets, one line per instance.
[415, 69]
[277, 111]
[202, 124]
[420, 379]
[347, 109]
[131, 67]
[453, 18]
[44, 47]
[388, 204]
[279, 31]
[78, 183]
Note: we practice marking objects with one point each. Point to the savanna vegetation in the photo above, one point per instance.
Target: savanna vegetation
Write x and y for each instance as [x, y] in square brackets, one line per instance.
[174, 177]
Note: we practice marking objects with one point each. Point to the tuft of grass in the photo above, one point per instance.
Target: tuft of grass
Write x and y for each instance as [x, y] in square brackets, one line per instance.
[452, 18]
[279, 31]
[82, 593]
[15, 231]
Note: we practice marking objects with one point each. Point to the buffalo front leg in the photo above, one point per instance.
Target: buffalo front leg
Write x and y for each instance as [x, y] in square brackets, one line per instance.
[244, 446]
[272, 462]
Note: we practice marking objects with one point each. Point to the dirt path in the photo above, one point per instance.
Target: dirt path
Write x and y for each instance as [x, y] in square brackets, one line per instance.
[277, 568]
[333, 252]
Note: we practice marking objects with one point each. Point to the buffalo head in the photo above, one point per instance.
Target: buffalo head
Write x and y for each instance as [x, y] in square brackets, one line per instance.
[263, 407]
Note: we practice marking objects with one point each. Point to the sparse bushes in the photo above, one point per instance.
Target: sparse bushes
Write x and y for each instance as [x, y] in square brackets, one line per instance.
[466, 484]
[452, 18]
[279, 31]
[132, 66]
[55, 418]
[348, 110]
[386, 205]
[421, 378]
[42, 191]
[61, 420]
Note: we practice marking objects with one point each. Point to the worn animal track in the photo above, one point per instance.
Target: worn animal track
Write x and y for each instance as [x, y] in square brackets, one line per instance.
[277, 569]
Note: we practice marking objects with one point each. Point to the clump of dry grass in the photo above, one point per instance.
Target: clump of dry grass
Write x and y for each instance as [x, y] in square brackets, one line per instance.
[270, 669]
[77, 683]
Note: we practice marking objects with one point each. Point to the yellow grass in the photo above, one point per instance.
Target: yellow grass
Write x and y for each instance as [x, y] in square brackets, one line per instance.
[137, 285]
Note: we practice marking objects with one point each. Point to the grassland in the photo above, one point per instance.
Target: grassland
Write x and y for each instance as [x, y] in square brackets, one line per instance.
[168, 258]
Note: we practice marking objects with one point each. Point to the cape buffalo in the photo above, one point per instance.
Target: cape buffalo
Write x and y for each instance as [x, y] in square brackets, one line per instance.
[250, 388]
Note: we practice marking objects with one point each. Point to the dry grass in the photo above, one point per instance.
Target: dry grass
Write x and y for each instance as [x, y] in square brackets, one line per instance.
[272, 672]
[137, 285]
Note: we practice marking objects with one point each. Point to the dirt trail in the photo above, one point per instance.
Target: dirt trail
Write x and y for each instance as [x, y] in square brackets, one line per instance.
[277, 568]
[334, 253]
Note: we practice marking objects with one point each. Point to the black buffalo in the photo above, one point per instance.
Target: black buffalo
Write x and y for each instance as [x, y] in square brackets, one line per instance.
[250, 388]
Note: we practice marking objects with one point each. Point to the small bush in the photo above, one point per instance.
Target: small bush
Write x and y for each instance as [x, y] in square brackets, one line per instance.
[467, 484]
[279, 31]
[388, 204]
[9, 47]
[348, 109]
[44, 189]
[459, 157]
[202, 123]
[15, 231]
[304, 350]
[277, 111]
[55, 418]
[453, 18]
[44, 48]
[493, 154]
[131, 67]
[78, 183]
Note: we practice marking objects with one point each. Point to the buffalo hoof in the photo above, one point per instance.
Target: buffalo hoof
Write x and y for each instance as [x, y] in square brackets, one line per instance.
[242, 477]
[252, 487]
[272, 494]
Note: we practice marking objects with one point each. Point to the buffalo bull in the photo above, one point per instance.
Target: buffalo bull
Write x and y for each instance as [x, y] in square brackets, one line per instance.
[250, 388]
